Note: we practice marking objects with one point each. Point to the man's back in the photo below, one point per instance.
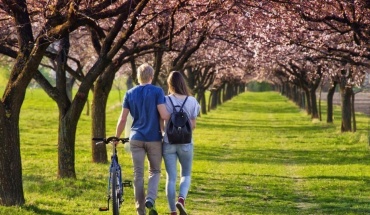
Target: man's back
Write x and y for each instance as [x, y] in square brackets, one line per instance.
[142, 102]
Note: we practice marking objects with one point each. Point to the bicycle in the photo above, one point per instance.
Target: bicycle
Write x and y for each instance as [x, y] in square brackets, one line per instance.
[115, 185]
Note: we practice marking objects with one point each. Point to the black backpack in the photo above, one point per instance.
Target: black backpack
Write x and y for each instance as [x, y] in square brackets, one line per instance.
[179, 126]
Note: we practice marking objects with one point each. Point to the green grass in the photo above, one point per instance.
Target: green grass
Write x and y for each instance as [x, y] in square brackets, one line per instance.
[256, 154]
[3, 78]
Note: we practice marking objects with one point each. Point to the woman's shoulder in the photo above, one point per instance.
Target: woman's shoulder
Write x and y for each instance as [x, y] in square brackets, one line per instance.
[169, 97]
[192, 98]
[192, 101]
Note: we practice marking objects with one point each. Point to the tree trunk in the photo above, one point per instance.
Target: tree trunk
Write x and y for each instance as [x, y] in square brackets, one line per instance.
[203, 103]
[11, 187]
[313, 87]
[158, 57]
[220, 94]
[236, 89]
[102, 89]
[346, 94]
[75, 109]
[66, 147]
[190, 77]
[295, 95]
[329, 118]
[308, 99]
[67, 127]
[353, 112]
[224, 92]
[213, 99]
[289, 91]
[129, 84]
[314, 112]
[241, 88]
[25, 66]
[284, 89]
[99, 152]
[303, 99]
[69, 116]
[202, 100]
[320, 115]
[229, 91]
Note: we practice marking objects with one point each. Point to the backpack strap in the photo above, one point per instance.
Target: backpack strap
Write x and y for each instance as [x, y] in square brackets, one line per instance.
[173, 106]
[183, 103]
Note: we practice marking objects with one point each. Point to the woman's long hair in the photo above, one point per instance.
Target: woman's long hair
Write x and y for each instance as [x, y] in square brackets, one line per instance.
[177, 84]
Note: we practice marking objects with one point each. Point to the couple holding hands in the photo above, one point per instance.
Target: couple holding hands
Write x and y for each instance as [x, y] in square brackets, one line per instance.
[150, 110]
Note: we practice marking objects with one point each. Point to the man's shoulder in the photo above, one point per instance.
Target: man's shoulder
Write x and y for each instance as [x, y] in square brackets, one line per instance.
[155, 87]
[132, 89]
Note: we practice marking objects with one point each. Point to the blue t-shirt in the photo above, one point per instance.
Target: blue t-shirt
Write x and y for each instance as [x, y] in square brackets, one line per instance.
[142, 102]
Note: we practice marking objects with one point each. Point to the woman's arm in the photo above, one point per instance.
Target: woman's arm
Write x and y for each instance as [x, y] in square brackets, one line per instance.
[193, 123]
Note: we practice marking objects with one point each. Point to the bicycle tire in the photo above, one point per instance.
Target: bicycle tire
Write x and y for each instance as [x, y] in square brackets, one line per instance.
[115, 193]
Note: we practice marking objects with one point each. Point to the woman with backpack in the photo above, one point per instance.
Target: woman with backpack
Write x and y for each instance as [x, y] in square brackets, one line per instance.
[179, 98]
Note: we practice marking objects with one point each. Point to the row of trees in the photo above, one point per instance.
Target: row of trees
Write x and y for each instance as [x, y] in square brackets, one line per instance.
[88, 42]
[325, 42]
[218, 45]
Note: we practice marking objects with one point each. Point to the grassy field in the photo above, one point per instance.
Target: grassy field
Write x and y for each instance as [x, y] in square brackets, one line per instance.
[255, 154]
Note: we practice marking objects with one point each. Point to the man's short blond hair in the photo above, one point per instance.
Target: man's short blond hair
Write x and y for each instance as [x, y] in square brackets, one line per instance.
[144, 73]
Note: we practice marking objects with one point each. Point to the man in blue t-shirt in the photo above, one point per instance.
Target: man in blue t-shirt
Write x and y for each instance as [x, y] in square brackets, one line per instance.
[146, 105]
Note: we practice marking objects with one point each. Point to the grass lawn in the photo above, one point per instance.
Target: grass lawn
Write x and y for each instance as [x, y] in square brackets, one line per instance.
[256, 154]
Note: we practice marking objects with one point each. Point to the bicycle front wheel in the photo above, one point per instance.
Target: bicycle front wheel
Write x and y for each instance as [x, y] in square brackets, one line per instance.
[115, 193]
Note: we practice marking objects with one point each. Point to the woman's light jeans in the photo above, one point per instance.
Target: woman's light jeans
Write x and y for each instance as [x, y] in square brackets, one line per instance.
[172, 153]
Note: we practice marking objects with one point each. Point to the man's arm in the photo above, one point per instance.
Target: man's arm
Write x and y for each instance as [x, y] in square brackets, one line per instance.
[122, 122]
[161, 124]
[163, 112]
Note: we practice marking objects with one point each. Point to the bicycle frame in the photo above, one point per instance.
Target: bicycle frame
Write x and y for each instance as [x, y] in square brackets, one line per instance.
[115, 186]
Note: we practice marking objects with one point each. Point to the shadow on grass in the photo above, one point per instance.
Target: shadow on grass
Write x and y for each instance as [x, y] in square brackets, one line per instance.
[70, 188]
[37, 210]
[271, 194]
[262, 125]
[265, 109]
[280, 156]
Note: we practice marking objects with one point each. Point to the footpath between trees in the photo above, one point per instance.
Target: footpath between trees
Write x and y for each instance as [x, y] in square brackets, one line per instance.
[260, 154]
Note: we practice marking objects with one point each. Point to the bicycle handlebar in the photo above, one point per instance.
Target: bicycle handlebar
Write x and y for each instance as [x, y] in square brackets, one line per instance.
[111, 139]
